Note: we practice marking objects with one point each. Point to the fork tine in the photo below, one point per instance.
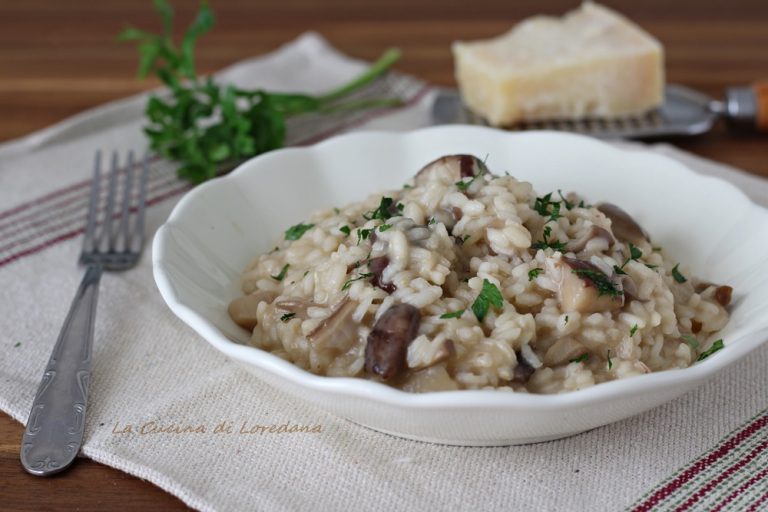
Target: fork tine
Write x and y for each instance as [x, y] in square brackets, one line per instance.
[93, 201]
[122, 230]
[139, 229]
[109, 211]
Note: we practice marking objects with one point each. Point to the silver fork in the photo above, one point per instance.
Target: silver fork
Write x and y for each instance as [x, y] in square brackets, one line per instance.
[56, 421]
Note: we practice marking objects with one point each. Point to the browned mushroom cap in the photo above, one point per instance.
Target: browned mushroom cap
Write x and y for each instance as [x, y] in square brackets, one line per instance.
[385, 354]
[243, 309]
[623, 226]
[377, 266]
[579, 244]
[459, 166]
[583, 287]
[338, 331]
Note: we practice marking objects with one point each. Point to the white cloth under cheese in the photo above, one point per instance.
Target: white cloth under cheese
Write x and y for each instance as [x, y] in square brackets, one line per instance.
[592, 62]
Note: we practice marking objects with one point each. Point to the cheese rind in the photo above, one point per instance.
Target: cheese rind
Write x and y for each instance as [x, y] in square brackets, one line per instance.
[592, 62]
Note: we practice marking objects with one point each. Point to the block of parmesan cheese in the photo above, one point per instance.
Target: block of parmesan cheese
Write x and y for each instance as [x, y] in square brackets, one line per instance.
[592, 62]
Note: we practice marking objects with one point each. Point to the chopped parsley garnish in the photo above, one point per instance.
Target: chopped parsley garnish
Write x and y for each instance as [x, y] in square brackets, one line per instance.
[281, 275]
[634, 254]
[305, 273]
[555, 212]
[383, 211]
[274, 250]
[407, 186]
[345, 229]
[541, 205]
[546, 242]
[610, 363]
[296, 232]
[336, 210]
[287, 317]
[718, 345]
[431, 221]
[583, 205]
[566, 319]
[656, 249]
[349, 282]
[583, 357]
[363, 234]
[633, 330]
[489, 296]
[568, 205]
[384, 227]
[680, 278]
[464, 185]
[691, 341]
[453, 314]
[17, 344]
[651, 266]
[603, 284]
[533, 274]
[400, 207]
[618, 270]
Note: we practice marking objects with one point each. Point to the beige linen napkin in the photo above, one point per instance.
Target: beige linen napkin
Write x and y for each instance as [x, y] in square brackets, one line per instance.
[167, 407]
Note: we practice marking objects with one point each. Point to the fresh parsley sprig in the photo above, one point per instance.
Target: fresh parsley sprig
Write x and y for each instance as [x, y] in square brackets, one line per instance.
[209, 127]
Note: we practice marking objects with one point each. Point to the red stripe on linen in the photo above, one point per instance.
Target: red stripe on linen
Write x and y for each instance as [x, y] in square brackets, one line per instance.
[56, 194]
[59, 210]
[738, 492]
[701, 492]
[73, 222]
[75, 232]
[756, 505]
[701, 464]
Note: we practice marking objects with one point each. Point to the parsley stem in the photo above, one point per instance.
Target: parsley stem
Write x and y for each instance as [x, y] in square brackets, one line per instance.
[372, 73]
[360, 105]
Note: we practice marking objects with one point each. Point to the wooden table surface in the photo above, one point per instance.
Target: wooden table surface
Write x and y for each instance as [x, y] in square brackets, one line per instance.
[58, 58]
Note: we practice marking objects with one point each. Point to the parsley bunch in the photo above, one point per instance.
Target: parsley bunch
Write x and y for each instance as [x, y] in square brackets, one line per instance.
[210, 128]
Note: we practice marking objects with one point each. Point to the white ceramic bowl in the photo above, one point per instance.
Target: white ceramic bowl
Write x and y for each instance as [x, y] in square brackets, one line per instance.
[704, 222]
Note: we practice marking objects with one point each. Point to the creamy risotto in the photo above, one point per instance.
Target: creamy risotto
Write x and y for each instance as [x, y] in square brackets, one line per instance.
[466, 280]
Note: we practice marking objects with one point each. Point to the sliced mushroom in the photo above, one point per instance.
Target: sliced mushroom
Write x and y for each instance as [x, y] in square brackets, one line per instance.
[243, 309]
[523, 370]
[424, 352]
[434, 378]
[458, 166]
[583, 287]
[387, 348]
[580, 244]
[623, 225]
[563, 351]
[377, 266]
[338, 331]
[628, 287]
[296, 305]
[723, 294]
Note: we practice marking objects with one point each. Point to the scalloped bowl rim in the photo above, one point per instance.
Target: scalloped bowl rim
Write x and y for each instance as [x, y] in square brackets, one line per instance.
[460, 399]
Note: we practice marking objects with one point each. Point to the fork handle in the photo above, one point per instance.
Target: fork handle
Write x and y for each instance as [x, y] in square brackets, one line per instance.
[54, 431]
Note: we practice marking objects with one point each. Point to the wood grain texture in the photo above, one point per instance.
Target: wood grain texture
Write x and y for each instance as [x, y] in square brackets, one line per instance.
[59, 58]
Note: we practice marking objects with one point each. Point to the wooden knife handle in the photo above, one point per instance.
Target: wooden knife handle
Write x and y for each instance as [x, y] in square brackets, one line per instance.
[761, 98]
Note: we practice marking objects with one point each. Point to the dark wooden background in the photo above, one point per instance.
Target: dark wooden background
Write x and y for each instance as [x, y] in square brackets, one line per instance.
[60, 57]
